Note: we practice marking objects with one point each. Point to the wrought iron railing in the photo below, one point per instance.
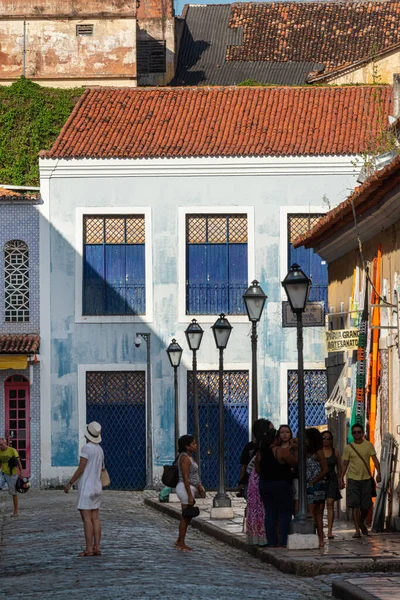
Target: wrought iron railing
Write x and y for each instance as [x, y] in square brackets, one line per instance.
[215, 298]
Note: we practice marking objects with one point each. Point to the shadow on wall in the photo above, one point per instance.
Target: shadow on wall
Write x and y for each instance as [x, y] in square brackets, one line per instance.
[114, 284]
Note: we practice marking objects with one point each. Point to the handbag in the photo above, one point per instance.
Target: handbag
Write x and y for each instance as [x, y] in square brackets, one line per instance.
[170, 476]
[191, 512]
[104, 478]
[372, 480]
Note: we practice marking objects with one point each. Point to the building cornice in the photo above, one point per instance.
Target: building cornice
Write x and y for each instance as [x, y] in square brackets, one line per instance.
[197, 167]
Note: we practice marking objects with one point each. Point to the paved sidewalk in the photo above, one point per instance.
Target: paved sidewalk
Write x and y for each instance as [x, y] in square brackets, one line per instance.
[367, 588]
[375, 553]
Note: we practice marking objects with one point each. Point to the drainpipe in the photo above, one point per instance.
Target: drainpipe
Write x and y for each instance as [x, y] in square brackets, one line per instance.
[24, 51]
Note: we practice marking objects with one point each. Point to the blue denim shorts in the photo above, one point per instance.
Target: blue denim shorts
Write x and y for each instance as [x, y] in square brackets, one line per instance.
[10, 480]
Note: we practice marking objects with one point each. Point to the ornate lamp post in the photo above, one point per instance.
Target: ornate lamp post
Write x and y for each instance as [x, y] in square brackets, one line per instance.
[221, 330]
[297, 287]
[194, 335]
[174, 352]
[254, 299]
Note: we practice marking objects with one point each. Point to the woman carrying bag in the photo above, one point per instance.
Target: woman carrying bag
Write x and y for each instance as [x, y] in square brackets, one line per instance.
[188, 487]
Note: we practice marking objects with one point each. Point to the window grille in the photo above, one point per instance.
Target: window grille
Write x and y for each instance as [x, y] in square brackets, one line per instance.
[308, 260]
[151, 56]
[315, 397]
[84, 29]
[114, 265]
[16, 282]
[216, 265]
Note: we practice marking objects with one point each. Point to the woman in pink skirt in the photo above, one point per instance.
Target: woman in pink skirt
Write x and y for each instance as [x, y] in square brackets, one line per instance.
[255, 516]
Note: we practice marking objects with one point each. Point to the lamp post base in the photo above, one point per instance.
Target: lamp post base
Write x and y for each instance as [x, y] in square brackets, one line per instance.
[221, 512]
[222, 507]
[301, 541]
[303, 526]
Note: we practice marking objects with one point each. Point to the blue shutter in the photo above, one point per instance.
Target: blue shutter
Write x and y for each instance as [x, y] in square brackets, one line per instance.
[115, 272]
[135, 280]
[93, 280]
[238, 277]
[319, 274]
[217, 279]
[313, 267]
[196, 286]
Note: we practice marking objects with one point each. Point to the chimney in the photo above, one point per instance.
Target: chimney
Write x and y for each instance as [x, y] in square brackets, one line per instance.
[396, 95]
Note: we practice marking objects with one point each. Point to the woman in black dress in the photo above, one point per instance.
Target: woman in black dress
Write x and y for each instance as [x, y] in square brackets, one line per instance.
[334, 476]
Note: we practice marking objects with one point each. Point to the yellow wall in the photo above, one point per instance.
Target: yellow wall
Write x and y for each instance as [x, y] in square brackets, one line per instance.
[341, 270]
[384, 68]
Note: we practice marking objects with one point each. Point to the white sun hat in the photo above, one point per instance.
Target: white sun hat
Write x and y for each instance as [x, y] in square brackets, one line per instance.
[93, 432]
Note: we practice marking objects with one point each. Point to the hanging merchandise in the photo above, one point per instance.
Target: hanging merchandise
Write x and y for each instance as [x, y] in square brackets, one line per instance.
[388, 463]
[358, 412]
[375, 358]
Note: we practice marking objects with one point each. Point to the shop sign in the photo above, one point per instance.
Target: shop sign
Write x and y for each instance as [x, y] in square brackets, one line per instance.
[339, 340]
[313, 316]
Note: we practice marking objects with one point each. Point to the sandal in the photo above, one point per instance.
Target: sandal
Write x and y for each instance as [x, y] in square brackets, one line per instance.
[97, 553]
[363, 528]
[357, 535]
[331, 537]
[84, 553]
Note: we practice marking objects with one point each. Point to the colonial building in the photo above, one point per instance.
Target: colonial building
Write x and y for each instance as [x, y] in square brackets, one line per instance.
[87, 42]
[160, 207]
[20, 327]
[288, 43]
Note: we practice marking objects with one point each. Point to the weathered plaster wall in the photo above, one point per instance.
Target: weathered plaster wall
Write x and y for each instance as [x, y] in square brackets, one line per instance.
[54, 51]
[159, 29]
[72, 8]
[75, 343]
[380, 70]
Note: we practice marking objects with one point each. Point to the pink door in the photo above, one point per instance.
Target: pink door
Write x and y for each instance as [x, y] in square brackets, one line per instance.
[17, 423]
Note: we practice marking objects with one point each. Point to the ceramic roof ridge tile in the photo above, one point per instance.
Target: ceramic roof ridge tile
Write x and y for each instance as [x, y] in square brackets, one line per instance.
[233, 121]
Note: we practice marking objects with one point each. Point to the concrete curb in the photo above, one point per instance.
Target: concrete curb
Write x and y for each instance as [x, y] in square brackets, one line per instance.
[295, 565]
[348, 591]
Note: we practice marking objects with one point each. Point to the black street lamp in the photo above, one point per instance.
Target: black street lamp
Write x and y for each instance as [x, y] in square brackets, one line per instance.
[194, 335]
[254, 299]
[221, 330]
[174, 352]
[297, 287]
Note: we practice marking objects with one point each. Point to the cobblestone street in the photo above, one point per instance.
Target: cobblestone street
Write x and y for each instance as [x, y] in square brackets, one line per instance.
[39, 557]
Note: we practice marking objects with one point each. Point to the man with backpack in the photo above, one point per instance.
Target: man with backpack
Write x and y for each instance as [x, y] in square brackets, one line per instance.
[361, 484]
[10, 463]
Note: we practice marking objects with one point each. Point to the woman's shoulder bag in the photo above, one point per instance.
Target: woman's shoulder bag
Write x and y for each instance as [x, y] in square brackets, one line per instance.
[170, 476]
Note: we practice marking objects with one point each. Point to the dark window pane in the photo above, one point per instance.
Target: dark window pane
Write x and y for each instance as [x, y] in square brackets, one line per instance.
[13, 404]
[21, 403]
[21, 414]
[13, 414]
[22, 444]
[13, 424]
[13, 393]
[21, 424]
[21, 393]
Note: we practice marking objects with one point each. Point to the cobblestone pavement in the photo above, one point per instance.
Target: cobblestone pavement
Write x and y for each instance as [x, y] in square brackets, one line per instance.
[38, 557]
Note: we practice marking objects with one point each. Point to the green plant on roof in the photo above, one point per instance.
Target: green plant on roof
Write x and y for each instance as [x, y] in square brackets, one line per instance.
[31, 118]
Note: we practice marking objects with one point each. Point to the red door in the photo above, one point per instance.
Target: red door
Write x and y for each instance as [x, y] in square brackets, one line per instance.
[17, 425]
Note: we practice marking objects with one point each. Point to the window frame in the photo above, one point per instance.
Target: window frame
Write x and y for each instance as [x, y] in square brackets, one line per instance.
[80, 212]
[247, 211]
[285, 211]
[26, 295]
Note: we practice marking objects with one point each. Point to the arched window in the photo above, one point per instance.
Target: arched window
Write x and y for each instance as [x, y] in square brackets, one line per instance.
[16, 282]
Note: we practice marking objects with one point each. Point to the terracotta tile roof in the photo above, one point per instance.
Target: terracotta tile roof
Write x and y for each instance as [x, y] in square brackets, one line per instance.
[364, 197]
[333, 33]
[232, 121]
[19, 344]
[9, 195]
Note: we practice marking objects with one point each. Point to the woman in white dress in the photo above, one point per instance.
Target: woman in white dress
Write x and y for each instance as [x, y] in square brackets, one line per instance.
[89, 498]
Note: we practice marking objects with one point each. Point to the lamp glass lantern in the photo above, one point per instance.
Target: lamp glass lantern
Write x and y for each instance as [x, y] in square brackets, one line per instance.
[297, 287]
[222, 331]
[194, 335]
[174, 352]
[254, 299]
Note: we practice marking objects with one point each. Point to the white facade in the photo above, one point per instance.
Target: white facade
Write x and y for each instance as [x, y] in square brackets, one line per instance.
[165, 190]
